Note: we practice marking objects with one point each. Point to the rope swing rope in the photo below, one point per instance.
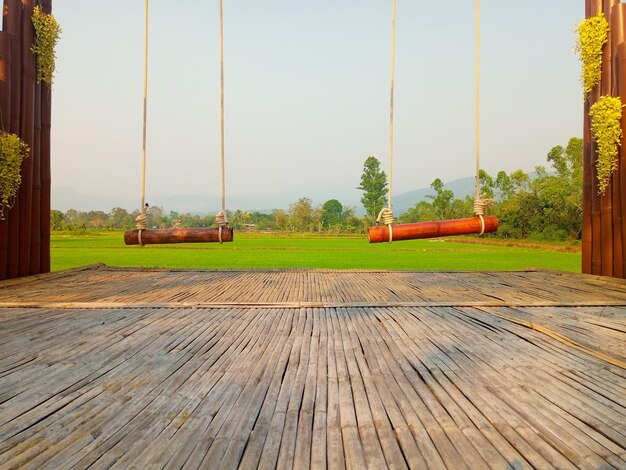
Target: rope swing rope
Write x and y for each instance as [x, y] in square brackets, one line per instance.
[142, 235]
[221, 218]
[385, 229]
[142, 218]
[480, 204]
[386, 214]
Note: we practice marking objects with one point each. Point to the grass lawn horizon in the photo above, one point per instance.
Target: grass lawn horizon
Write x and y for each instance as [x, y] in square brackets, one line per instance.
[313, 251]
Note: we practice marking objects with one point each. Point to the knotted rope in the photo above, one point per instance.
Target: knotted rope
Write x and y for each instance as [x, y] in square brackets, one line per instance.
[222, 214]
[142, 219]
[480, 202]
[386, 217]
[222, 221]
[142, 224]
[480, 205]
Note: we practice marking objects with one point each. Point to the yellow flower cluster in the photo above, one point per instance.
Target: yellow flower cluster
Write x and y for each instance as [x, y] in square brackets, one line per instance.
[47, 32]
[12, 151]
[606, 116]
[592, 35]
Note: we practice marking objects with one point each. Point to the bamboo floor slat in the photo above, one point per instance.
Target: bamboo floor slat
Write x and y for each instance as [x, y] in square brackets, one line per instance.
[148, 286]
[171, 369]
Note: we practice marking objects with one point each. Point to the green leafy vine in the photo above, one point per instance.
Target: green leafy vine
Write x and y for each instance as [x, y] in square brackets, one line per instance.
[13, 150]
[592, 35]
[606, 116]
[47, 31]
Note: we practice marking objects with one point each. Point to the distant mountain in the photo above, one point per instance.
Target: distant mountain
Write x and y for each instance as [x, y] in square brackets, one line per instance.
[64, 198]
[460, 187]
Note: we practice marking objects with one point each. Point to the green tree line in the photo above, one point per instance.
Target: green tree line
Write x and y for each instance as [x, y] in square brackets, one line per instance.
[547, 206]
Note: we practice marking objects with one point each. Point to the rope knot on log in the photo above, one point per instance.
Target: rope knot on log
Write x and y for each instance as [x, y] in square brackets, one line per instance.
[222, 221]
[480, 205]
[386, 217]
[142, 224]
[142, 221]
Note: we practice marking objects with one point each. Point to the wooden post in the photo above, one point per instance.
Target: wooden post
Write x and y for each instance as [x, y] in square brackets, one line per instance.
[439, 228]
[606, 199]
[5, 121]
[621, 88]
[35, 213]
[25, 111]
[178, 235]
[44, 158]
[27, 131]
[618, 35]
[14, 28]
[592, 221]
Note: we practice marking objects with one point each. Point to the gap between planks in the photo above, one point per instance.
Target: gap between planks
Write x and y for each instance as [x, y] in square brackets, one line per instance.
[262, 305]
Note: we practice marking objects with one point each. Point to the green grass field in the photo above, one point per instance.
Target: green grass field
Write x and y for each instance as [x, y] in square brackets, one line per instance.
[305, 251]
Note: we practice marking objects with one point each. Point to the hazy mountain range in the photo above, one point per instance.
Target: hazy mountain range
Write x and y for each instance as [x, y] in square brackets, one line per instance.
[64, 198]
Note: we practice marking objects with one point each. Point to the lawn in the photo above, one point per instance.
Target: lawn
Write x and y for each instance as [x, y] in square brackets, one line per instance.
[254, 250]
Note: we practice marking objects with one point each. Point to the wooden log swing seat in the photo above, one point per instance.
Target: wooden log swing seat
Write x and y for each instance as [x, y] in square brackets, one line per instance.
[178, 235]
[439, 228]
[144, 236]
[386, 230]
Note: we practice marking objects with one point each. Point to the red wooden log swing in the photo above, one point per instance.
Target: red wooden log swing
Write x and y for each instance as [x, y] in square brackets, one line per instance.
[179, 235]
[439, 228]
[144, 236]
[480, 224]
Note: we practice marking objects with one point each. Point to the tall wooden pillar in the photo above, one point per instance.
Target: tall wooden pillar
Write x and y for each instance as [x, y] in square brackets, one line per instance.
[25, 111]
[604, 226]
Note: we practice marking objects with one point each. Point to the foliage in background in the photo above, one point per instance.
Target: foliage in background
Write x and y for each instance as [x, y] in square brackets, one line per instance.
[47, 32]
[332, 212]
[592, 35]
[13, 150]
[606, 130]
[547, 207]
[374, 187]
[544, 207]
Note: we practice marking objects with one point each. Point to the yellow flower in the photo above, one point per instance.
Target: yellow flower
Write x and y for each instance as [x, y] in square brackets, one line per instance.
[592, 35]
[47, 32]
[606, 130]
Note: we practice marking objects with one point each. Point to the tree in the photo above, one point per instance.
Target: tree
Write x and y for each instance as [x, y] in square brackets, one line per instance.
[56, 220]
[119, 218]
[157, 217]
[302, 214]
[421, 212]
[281, 219]
[442, 201]
[374, 187]
[332, 212]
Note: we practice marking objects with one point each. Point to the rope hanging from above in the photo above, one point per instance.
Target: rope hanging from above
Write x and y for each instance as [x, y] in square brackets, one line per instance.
[479, 210]
[410, 231]
[178, 235]
[480, 203]
[386, 214]
[142, 218]
[223, 221]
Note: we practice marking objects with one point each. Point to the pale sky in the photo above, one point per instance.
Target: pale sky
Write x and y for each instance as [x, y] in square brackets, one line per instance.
[307, 92]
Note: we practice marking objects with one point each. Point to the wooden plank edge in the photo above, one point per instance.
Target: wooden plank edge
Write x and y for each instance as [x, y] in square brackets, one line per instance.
[283, 305]
[50, 275]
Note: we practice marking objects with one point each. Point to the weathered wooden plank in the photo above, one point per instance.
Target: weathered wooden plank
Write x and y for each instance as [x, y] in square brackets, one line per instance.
[310, 368]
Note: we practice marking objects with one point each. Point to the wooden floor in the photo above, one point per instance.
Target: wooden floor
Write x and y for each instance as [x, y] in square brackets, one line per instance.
[103, 367]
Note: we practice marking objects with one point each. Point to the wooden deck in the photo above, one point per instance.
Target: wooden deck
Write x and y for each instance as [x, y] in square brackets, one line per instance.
[130, 368]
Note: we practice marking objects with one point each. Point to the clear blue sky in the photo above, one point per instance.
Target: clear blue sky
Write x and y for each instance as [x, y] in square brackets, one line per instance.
[307, 92]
